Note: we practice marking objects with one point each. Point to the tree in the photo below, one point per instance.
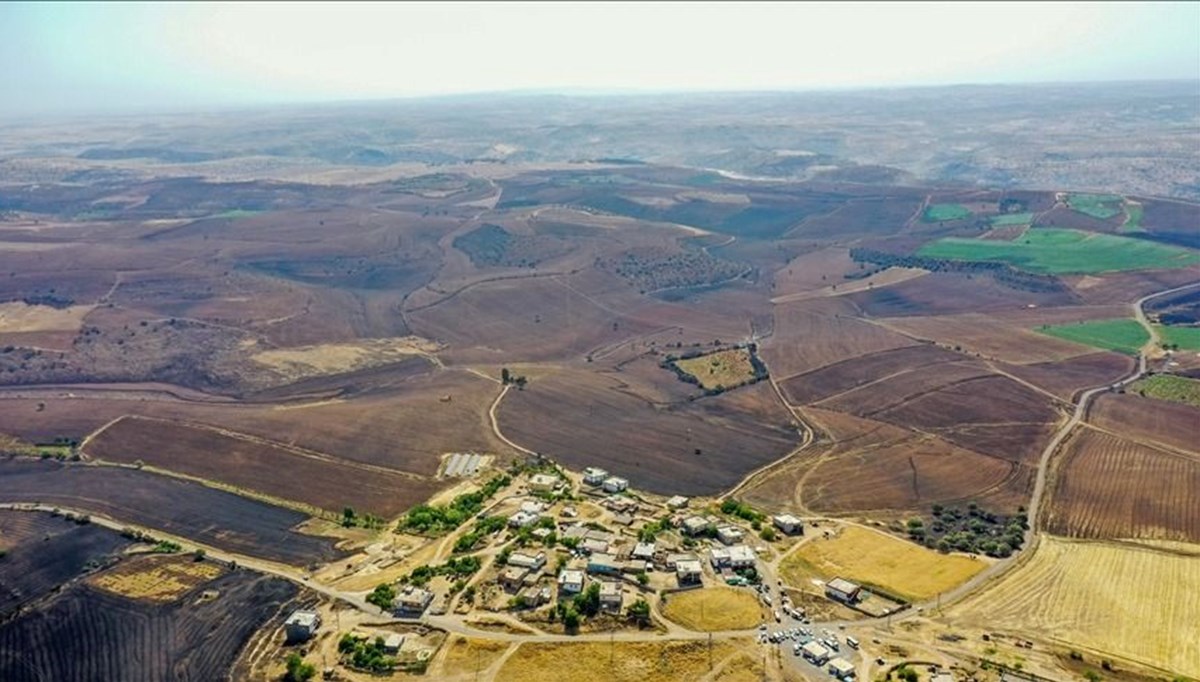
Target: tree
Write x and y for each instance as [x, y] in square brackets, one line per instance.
[642, 578]
[383, 596]
[640, 611]
[768, 534]
[298, 670]
[505, 377]
[907, 674]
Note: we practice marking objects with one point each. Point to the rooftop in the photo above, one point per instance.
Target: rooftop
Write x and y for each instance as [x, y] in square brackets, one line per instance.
[841, 585]
[304, 618]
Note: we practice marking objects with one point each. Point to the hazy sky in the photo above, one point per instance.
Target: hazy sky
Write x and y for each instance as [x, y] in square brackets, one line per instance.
[59, 56]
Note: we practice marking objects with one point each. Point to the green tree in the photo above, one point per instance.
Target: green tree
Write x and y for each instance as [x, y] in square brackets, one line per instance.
[768, 534]
[383, 596]
[640, 611]
[298, 670]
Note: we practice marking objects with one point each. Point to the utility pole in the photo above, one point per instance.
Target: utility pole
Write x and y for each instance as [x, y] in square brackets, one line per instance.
[710, 665]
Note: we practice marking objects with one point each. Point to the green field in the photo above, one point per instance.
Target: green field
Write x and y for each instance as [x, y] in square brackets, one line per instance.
[1122, 335]
[936, 213]
[1186, 338]
[235, 213]
[1012, 219]
[1102, 206]
[1171, 388]
[1059, 251]
[1134, 221]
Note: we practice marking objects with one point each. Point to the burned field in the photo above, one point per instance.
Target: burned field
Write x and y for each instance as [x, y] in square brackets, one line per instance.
[190, 510]
[87, 633]
[1114, 488]
[254, 464]
[692, 447]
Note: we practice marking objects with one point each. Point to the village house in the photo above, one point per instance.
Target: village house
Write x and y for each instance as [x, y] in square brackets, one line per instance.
[815, 653]
[841, 668]
[842, 590]
[788, 524]
[393, 643]
[533, 507]
[514, 578]
[730, 535]
[736, 556]
[543, 483]
[533, 562]
[610, 595]
[413, 600]
[688, 571]
[673, 559]
[594, 546]
[694, 525]
[536, 595]
[302, 625]
[570, 582]
[615, 484]
[643, 551]
[677, 502]
[594, 476]
[604, 564]
[523, 519]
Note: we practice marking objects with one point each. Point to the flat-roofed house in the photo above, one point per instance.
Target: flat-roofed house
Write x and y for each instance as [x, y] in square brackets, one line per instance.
[842, 590]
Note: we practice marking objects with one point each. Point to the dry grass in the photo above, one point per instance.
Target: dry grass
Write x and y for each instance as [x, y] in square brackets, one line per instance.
[898, 566]
[19, 317]
[885, 278]
[332, 358]
[1115, 600]
[467, 654]
[727, 368]
[672, 661]
[714, 609]
[156, 579]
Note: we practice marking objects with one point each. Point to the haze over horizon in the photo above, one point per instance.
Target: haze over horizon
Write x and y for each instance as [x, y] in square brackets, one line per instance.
[74, 57]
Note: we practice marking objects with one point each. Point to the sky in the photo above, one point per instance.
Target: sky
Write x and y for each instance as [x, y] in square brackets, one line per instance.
[64, 57]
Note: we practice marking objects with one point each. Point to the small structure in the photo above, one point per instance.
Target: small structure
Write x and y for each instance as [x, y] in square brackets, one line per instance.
[604, 564]
[570, 582]
[677, 502]
[576, 531]
[541, 533]
[621, 504]
[673, 559]
[413, 600]
[529, 560]
[788, 524]
[688, 571]
[615, 484]
[536, 595]
[694, 525]
[741, 556]
[513, 578]
[392, 643]
[533, 507]
[643, 551]
[719, 557]
[841, 668]
[942, 676]
[730, 535]
[594, 476]
[815, 653]
[842, 590]
[543, 483]
[610, 595]
[302, 625]
[522, 519]
[594, 546]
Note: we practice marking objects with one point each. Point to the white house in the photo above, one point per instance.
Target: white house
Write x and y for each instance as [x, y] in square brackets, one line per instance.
[571, 582]
[610, 595]
[840, 589]
[594, 476]
[532, 507]
[522, 519]
[413, 600]
[677, 502]
[841, 668]
[815, 653]
[643, 551]
[615, 484]
[741, 556]
[527, 560]
[788, 524]
[543, 483]
[730, 535]
[302, 625]
[694, 525]
[688, 571]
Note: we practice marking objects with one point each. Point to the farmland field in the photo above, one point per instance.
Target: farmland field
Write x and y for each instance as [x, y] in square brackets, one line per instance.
[1171, 388]
[252, 464]
[190, 510]
[1100, 206]
[85, 633]
[874, 558]
[1187, 338]
[1106, 599]
[159, 579]
[935, 213]
[1133, 220]
[1162, 424]
[1061, 251]
[670, 661]
[1011, 219]
[726, 369]
[1122, 335]
[714, 609]
[1112, 488]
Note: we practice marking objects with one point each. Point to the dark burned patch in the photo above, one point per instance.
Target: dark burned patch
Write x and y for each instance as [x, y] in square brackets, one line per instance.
[491, 245]
[85, 633]
[656, 269]
[364, 273]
